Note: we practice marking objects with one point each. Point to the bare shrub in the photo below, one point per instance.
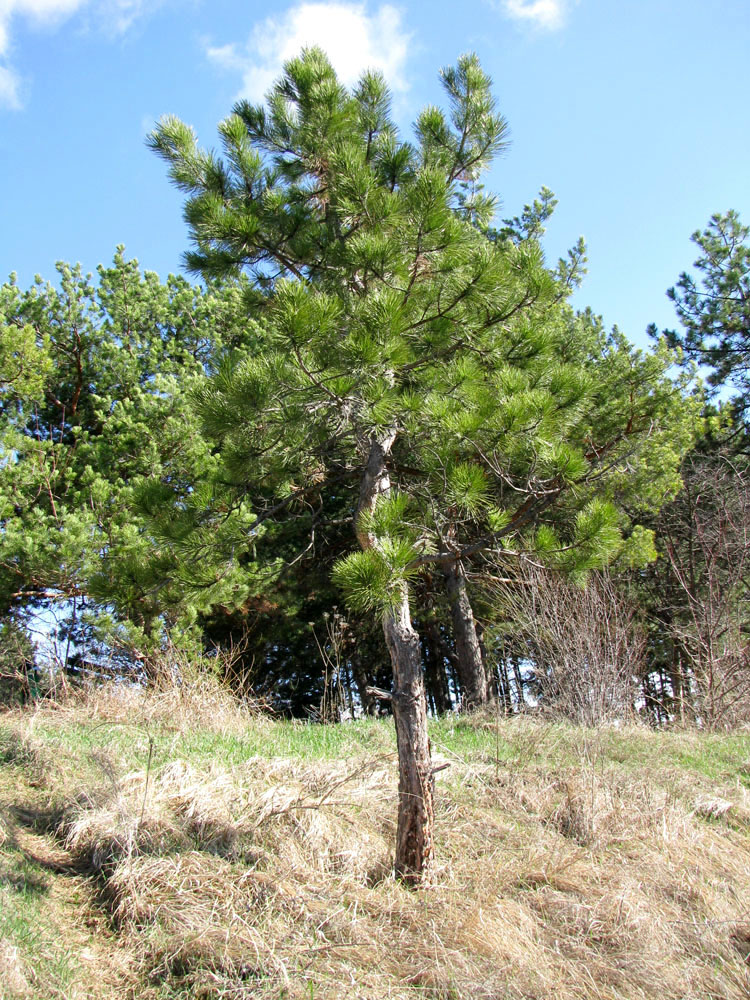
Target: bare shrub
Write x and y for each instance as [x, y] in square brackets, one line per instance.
[705, 607]
[584, 643]
[331, 647]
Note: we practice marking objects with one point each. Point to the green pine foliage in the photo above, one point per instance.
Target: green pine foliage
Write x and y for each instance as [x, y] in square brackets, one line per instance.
[713, 305]
[101, 420]
[188, 462]
[391, 309]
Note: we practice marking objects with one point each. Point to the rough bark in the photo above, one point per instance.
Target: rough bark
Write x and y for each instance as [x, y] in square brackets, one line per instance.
[471, 670]
[415, 830]
[416, 817]
[376, 482]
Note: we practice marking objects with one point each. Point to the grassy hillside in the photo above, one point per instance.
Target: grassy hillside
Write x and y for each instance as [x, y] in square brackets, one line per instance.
[175, 846]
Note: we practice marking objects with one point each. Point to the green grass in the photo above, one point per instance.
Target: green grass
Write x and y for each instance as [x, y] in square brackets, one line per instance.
[26, 924]
[511, 743]
[560, 745]
[76, 742]
[300, 740]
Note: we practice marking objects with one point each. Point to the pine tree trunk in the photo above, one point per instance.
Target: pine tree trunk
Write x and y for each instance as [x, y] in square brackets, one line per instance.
[471, 670]
[415, 832]
[416, 817]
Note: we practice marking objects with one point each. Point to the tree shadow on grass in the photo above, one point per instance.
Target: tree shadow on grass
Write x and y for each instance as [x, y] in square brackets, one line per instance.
[24, 866]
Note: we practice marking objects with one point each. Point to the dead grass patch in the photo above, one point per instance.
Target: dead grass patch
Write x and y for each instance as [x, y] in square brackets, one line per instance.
[198, 702]
[14, 981]
[285, 885]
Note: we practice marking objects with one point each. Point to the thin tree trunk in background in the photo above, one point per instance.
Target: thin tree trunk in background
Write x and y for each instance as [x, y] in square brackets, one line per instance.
[687, 687]
[446, 659]
[429, 676]
[651, 700]
[663, 701]
[505, 688]
[471, 669]
[416, 816]
[519, 683]
[435, 676]
[347, 672]
[675, 678]
[368, 700]
[490, 675]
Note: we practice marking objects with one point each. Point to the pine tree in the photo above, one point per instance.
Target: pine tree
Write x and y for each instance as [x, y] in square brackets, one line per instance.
[93, 414]
[694, 594]
[415, 358]
[714, 306]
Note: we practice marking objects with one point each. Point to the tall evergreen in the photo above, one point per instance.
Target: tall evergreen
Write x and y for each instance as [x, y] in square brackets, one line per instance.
[713, 306]
[417, 362]
[696, 593]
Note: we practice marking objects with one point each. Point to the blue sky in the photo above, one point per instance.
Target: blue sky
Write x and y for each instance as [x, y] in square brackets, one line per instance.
[635, 113]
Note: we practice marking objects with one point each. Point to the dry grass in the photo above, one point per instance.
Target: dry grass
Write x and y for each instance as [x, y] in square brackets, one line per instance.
[13, 976]
[197, 702]
[578, 865]
[5, 834]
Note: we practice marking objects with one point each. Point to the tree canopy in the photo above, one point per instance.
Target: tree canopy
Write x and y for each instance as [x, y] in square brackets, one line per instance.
[97, 413]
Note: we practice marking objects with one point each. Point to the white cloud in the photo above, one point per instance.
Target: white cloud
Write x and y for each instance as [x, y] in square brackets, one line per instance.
[115, 15]
[41, 12]
[9, 96]
[353, 40]
[548, 14]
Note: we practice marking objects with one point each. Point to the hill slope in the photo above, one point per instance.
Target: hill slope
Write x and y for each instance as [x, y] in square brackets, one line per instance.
[175, 846]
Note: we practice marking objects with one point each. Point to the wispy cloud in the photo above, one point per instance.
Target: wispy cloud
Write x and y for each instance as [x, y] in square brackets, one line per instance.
[40, 12]
[115, 16]
[9, 95]
[118, 15]
[353, 39]
[549, 14]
